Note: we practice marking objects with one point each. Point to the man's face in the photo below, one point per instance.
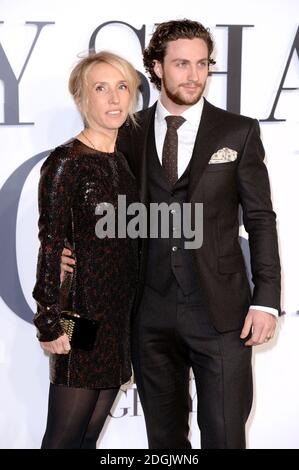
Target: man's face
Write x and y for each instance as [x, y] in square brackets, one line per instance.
[183, 73]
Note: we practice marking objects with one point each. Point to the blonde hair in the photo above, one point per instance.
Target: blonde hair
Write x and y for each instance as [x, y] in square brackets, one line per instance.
[78, 78]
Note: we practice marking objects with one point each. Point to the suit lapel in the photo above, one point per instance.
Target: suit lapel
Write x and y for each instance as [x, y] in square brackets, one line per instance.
[203, 147]
[141, 150]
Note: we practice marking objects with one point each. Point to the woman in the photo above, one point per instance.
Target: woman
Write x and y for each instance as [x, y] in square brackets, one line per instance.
[75, 178]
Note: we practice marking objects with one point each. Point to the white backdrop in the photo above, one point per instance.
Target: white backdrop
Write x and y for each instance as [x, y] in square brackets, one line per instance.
[43, 100]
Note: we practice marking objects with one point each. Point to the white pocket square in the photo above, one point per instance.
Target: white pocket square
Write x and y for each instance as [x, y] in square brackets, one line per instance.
[223, 156]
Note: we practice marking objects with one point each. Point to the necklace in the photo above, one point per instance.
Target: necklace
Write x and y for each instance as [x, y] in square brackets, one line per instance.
[93, 146]
[88, 140]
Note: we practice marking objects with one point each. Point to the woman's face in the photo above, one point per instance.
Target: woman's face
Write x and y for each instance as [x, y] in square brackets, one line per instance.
[107, 97]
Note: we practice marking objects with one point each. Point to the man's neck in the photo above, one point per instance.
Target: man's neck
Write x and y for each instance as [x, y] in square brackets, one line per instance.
[173, 108]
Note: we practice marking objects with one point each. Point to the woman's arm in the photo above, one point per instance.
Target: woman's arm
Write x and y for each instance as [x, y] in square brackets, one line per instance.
[56, 188]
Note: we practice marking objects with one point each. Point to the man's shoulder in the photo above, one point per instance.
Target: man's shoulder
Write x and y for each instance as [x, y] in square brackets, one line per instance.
[131, 127]
[145, 114]
[227, 116]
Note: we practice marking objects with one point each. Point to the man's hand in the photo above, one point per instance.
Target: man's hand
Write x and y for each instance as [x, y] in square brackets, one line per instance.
[66, 263]
[60, 345]
[261, 324]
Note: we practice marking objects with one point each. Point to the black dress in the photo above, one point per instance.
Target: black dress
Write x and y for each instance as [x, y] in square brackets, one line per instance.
[74, 180]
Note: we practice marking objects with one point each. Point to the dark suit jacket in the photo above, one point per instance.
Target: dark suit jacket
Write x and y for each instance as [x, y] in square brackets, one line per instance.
[222, 188]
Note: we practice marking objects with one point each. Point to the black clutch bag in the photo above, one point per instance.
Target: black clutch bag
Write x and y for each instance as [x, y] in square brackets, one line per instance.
[82, 332]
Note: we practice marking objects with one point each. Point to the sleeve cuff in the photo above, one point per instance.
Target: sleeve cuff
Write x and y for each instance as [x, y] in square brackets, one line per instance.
[271, 310]
[47, 323]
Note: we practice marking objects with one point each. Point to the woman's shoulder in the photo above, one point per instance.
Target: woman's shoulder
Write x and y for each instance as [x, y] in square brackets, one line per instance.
[61, 156]
[65, 150]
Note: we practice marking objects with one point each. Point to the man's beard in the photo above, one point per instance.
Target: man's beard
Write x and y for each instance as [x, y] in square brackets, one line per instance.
[177, 98]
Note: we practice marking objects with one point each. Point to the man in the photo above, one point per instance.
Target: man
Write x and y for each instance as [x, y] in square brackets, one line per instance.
[194, 307]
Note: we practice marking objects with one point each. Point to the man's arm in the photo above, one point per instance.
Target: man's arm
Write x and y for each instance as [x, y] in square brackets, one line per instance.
[66, 262]
[260, 224]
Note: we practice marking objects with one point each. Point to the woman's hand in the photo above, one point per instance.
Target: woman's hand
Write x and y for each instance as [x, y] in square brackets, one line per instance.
[60, 345]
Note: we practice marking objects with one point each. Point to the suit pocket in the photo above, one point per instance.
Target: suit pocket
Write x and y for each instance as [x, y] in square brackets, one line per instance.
[227, 166]
[231, 263]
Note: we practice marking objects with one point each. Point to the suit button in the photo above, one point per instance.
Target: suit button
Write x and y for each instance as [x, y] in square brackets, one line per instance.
[174, 248]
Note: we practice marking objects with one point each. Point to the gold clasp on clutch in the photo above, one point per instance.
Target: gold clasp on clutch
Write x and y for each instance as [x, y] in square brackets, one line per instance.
[69, 313]
[68, 324]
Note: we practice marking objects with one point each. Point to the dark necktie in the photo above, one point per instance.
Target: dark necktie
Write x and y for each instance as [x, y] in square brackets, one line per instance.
[170, 148]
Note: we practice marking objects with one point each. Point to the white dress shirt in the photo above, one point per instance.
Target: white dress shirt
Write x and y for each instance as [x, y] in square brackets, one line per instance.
[186, 132]
[186, 138]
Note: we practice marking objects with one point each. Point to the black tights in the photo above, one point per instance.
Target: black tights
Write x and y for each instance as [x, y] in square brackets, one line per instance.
[76, 416]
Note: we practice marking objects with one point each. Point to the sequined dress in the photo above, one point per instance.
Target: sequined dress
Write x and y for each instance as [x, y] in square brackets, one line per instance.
[74, 180]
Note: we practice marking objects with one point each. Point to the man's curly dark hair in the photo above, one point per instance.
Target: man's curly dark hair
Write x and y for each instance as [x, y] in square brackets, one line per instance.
[171, 31]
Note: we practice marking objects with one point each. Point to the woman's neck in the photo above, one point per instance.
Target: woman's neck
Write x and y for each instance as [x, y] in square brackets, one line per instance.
[98, 140]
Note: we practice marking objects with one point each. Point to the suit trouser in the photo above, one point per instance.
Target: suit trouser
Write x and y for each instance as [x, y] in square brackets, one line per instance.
[172, 333]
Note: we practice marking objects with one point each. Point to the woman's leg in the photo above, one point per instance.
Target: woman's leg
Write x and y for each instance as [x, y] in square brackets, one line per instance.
[69, 413]
[104, 403]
